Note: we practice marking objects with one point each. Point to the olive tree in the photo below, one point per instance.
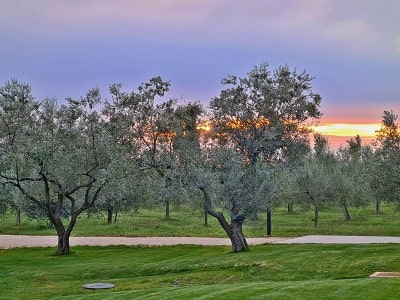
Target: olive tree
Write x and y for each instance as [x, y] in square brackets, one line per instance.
[315, 185]
[58, 157]
[329, 179]
[147, 123]
[309, 181]
[12, 200]
[352, 175]
[386, 179]
[259, 120]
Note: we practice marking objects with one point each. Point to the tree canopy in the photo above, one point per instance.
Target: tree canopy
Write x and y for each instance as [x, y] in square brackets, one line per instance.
[116, 153]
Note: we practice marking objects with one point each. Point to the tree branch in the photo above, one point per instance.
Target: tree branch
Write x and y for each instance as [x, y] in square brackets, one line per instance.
[218, 215]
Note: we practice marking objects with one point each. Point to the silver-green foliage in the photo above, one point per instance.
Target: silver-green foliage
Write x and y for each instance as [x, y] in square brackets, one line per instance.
[386, 179]
[57, 157]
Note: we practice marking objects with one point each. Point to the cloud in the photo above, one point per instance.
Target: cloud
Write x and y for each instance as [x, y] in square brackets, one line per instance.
[369, 26]
[344, 41]
[349, 30]
[103, 12]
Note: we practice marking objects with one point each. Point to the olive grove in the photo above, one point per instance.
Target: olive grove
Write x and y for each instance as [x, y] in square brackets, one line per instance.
[62, 160]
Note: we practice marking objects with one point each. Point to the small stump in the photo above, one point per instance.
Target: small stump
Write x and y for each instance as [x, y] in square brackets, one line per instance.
[98, 286]
[385, 275]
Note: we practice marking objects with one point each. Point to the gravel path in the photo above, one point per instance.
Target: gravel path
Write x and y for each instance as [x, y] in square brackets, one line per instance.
[18, 241]
[340, 239]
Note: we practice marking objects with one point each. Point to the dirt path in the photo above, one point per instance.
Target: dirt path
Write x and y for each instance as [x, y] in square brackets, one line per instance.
[18, 241]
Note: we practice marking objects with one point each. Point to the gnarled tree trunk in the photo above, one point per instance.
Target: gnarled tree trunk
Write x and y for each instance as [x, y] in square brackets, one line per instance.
[234, 230]
[236, 235]
[63, 235]
[63, 243]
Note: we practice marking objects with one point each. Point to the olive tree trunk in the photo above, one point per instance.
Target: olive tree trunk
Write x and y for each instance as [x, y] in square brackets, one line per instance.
[63, 235]
[378, 207]
[167, 209]
[316, 216]
[346, 212]
[314, 203]
[63, 246]
[63, 232]
[18, 217]
[234, 230]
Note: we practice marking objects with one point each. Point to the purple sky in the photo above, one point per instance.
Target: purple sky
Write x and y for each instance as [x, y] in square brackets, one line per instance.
[65, 47]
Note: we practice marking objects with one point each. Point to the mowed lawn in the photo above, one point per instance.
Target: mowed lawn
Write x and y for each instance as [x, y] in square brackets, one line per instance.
[196, 272]
[202, 272]
[189, 222]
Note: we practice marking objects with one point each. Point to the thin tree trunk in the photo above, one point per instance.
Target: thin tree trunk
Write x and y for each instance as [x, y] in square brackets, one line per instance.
[168, 183]
[346, 212]
[167, 209]
[109, 215]
[269, 222]
[290, 208]
[116, 216]
[378, 207]
[316, 216]
[316, 210]
[91, 211]
[205, 217]
[18, 217]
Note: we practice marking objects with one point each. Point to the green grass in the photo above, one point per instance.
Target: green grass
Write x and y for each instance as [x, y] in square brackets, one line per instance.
[185, 222]
[364, 221]
[264, 272]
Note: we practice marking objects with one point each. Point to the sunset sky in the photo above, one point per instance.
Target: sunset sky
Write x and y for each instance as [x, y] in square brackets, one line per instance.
[351, 47]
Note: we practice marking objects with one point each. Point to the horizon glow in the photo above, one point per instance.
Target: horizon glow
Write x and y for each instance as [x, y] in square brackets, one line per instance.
[348, 129]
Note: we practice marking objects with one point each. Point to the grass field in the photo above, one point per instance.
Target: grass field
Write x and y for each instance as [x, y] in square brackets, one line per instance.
[186, 222]
[196, 272]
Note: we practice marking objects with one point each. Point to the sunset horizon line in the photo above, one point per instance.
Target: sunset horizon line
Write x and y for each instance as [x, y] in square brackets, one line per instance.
[339, 133]
[344, 129]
